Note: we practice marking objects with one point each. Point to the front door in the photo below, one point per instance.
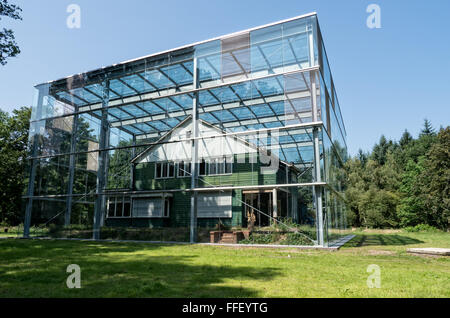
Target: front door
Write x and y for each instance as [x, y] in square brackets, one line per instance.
[260, 204]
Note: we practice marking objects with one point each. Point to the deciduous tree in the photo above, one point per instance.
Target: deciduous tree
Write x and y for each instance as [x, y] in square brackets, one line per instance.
[8, 45]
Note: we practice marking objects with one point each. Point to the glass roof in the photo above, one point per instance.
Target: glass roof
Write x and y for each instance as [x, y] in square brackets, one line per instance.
[152, 99]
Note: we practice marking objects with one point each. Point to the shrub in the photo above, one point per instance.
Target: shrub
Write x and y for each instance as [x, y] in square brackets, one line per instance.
[421, 228]
[296, 239]
[261, 239]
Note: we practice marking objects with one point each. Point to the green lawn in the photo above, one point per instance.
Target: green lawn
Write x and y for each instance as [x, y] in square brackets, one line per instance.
[37, 268]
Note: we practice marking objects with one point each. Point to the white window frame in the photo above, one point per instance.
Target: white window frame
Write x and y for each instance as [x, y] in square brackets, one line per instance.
[217, 161]
[167, 165]
[164, 214]
[186, 171]
[123, 200]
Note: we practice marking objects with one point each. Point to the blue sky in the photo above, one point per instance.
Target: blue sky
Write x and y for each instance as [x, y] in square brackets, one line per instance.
[386, 79]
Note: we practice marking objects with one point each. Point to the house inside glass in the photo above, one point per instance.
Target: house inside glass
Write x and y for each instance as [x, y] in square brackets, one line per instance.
[242, 132]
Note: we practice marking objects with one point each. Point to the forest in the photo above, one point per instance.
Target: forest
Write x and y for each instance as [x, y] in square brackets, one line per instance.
[402, 183]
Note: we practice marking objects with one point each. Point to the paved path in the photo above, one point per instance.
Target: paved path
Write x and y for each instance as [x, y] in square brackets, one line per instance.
[430, 251]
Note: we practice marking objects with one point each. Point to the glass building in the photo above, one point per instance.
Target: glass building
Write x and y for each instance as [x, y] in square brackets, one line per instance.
[240, 131]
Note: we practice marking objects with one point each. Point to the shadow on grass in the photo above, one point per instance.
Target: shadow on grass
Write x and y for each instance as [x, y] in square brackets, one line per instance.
[38, 269]
[381, 240]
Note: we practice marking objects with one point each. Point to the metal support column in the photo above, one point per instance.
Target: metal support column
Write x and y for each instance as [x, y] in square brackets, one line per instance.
[274, 204]
[71, 169]
[288, 193]
[99, 208]
[105, 167]
[337, 222]
[194, 158]
[43, 91]
[317, 172]
[133, 154]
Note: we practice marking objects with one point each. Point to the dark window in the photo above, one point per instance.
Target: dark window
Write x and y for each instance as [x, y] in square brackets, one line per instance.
[228, 165]
[158, 170]
[184, 169]
[166, 207]
[213, 167]
[187, 167]
[171, 169]
[164, 170]
[112, 207]
[126, 209]
[202, 169]
[119, 208]
[181, 169]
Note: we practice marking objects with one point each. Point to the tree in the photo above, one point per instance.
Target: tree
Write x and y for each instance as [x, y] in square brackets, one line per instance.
[427, 129]
[436, 181]
[362, 156]
[8, 45]
[13, 163]
[405, 140]
[412, 204]
[380, 150]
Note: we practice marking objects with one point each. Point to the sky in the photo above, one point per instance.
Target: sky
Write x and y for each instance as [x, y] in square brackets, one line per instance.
[387, 79]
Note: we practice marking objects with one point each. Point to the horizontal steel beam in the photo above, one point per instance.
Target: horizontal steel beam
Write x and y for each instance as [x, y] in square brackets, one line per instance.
[205, 189]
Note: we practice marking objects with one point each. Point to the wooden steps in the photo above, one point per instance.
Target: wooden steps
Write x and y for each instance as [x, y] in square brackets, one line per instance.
[227, 238]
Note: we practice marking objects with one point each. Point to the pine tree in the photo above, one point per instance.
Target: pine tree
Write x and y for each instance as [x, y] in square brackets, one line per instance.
[362, 156]
[406, 139]
[427, 129]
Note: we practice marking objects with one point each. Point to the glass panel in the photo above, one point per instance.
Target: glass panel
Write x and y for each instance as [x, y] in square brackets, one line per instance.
[296, 44]
[209, 61]
[235, 57]
[267, 50]
[52, 175]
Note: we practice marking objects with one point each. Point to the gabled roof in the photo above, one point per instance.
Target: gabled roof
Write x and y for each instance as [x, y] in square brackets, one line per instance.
[220, 132]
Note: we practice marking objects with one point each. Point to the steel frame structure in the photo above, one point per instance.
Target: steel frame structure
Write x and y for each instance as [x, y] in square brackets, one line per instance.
[147, 97]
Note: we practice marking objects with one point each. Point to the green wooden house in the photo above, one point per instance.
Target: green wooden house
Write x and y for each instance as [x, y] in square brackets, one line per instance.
[162, 174]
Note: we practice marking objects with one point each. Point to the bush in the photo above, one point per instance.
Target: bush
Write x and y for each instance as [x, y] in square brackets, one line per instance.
[421, 228]
[145, 234]
[278, 238]
[261, 239]
[296, 239]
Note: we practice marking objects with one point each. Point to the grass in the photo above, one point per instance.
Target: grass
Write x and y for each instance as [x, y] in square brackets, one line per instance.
[37, 268]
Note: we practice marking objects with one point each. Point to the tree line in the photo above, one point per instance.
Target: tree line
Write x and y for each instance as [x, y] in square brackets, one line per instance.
[401, 183]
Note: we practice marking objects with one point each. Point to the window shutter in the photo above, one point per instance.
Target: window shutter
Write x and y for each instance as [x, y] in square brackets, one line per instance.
[214, 205]
[148, 208]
